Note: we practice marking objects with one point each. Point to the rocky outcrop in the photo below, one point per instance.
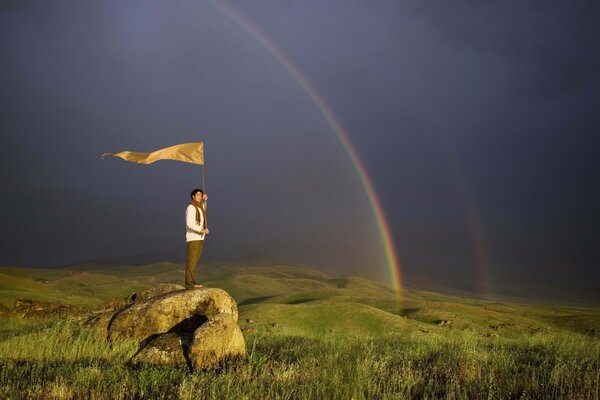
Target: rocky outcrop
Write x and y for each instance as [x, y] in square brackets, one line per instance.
[179, 311]
[101, 319]
[139, 297]
[197, 328]
[218, 338]
[155, 291]
[29, 308]
[163, 349]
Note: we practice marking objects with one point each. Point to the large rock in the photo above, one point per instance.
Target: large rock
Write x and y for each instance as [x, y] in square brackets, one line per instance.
[140, 297]
[163, 349]
[29, 308]
[216, 340]
[179, 312]
[100, 320]
[155, 291]
[195, 328]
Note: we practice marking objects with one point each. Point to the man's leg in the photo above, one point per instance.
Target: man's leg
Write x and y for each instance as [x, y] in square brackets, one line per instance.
[194, 250]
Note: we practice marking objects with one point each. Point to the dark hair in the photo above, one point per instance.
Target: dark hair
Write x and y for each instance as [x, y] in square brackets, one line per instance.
[196, 191]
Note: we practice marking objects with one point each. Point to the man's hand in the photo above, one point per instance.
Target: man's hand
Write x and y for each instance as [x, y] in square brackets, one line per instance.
[205, 197]
[205, 231]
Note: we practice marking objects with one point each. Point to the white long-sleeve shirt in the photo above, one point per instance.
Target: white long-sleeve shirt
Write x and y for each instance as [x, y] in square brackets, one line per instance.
[192, 228]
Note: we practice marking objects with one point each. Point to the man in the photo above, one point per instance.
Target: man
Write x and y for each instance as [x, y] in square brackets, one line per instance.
[195, 231]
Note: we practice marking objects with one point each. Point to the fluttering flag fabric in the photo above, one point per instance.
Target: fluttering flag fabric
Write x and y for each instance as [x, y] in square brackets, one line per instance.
[186, 152]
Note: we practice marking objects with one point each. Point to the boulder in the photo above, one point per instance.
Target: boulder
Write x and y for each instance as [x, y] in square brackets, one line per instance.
[3, 310]
[195, 328]
[155, 291]
[118, 304]
[99, 321]
[163, 349]
[29, 308]
[179, 312]
[143, 296]
[217, 339]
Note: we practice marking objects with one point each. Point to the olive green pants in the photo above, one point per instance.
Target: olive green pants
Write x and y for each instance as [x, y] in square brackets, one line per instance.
[194, 251]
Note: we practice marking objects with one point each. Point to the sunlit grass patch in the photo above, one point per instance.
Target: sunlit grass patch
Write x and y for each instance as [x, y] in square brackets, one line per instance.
[42, 359]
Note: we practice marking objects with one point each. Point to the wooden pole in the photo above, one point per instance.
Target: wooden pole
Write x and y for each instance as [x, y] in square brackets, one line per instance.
[204, 190]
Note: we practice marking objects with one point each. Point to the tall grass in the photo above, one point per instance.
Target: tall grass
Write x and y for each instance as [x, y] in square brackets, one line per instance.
[62, 360]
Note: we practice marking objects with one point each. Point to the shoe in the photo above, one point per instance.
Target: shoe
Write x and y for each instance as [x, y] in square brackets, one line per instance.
[194, 286]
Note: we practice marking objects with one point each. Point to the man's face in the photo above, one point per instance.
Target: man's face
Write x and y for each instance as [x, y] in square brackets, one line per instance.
[198, 197]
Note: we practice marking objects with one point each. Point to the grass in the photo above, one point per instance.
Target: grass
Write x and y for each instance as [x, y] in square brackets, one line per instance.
[63, 360]
[308, 335]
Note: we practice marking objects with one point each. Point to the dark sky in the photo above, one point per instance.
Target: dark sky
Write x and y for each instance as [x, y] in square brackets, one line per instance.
[477, 122]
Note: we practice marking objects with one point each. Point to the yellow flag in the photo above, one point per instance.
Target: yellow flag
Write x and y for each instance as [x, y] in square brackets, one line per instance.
[186, 152]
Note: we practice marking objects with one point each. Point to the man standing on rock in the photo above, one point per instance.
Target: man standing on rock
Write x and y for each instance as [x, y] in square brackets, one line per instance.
[195, 231]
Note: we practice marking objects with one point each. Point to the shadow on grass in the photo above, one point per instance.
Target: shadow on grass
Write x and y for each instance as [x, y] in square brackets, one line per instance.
[587, 324]
[408, 312]
[301, 301]
[255, 300]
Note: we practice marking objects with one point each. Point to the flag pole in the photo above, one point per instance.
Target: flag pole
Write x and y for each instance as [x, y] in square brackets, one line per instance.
[203, 186]
[204, 190]
[202, 165]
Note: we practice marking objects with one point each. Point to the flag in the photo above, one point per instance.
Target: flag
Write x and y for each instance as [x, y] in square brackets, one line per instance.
[186, 152]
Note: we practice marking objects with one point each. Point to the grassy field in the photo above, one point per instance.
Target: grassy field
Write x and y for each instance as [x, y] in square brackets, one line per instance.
[308, 335]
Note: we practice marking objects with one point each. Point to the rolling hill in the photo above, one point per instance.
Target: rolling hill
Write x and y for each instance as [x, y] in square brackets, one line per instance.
[299, 300]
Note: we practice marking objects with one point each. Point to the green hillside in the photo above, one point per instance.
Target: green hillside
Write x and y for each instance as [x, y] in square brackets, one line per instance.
[297, 300]
[308, 335]
[85, 288]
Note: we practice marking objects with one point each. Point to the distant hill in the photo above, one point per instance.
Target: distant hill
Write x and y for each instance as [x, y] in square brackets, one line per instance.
[293, 299]
[513, 291]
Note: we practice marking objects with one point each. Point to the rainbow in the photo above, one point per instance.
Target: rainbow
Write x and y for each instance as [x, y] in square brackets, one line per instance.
[482, 270]
[480, 261]
[374, 202]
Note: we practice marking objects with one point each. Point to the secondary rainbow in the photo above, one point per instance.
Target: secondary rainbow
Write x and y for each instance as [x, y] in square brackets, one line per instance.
[482, 270]
[363, 176]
